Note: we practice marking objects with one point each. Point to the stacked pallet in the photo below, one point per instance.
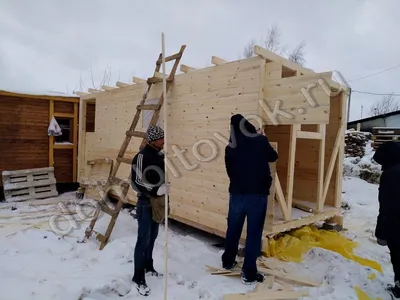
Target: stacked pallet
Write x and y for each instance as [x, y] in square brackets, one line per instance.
[28, 184]
[384, 134]
[355, 143]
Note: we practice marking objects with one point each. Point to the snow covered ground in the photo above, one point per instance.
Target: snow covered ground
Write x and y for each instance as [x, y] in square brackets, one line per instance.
[38, 264]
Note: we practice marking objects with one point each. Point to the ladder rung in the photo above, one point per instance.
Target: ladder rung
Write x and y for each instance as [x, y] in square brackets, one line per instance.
[157, 79]
[125, 160]
[148, 107]
[169, 58]
[139, 134]
[100, 237]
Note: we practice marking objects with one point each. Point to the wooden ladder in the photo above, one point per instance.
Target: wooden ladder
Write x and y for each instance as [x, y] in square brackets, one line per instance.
[131, 132]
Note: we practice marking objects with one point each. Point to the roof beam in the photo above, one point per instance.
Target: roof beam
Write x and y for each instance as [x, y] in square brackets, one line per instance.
[108, 88]
[272, 57]
[94, 91]
[81, 93]
[185, 68]
[122, 84]
[160, 75]
[138, 80]
[217, 61]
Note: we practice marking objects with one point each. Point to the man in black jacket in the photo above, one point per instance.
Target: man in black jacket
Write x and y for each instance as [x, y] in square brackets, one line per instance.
[388, 222]
[247, 159]
[148, 180]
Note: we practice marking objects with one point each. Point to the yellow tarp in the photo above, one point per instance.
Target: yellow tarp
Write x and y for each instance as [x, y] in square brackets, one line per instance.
[293, 245]
[362, 295]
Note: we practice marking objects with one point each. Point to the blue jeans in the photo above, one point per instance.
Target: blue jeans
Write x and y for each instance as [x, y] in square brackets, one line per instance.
[254, 207]
[147, 235]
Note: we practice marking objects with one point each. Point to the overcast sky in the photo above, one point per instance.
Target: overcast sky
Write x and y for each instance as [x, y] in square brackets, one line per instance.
[48, 44]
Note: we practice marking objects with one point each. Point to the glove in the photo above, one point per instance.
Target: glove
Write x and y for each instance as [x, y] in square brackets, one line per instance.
[381, 242]
[163, 190]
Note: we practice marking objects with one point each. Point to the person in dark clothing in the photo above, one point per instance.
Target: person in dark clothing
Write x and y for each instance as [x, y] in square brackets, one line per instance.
[148, 180]
[388, 221]
[247, 159]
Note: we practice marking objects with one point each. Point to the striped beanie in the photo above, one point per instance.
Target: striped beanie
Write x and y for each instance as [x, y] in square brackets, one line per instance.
[154, 133]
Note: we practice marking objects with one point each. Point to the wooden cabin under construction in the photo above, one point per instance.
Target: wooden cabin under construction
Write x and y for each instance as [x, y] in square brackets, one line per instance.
[24, 139]
[303, 113]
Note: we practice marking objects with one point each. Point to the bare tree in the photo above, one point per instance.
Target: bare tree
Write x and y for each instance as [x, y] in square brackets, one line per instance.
[249, 49]
[297, 54]
[105, 80]
[272, 42]
[385, 105]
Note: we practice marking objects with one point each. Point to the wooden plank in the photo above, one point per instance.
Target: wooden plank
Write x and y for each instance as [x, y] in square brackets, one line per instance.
[122, 84]
[267, 295]
[75, 142]
[108, 88]
[288, 277]
[270, 56]
[94, 91]
[339, 165]
[28, 171]
[21, 185]
[281, 198]
[138, 80]
[51, 138]
[290, 171]
[81, 93]
[63, 146]
[309, 135]
[82, 139]
[186, 69]
[34, 196]
[217, 61]
[335, 151]
[64, 115]
[41, 97]
[321, 167]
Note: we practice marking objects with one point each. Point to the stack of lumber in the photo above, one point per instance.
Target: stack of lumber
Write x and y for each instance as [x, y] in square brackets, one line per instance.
[384, 134]
[28, 184]
[355, 143]
[268, 290]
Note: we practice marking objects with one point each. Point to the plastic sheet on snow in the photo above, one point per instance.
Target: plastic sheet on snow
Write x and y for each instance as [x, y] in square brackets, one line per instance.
[293, 245]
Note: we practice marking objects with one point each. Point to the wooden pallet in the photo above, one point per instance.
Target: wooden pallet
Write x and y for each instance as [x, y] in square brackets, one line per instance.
[29, 184]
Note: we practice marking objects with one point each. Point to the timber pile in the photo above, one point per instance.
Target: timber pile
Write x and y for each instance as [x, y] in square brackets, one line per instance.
[267, 290]
[355, 143]
[28, 184]
[381, 135]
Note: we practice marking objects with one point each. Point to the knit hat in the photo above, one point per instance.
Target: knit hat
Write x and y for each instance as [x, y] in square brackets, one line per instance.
[154, 133]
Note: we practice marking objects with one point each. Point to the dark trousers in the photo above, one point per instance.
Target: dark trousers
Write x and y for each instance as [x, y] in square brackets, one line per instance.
[394, 248]
[254, 207]
[147, 234]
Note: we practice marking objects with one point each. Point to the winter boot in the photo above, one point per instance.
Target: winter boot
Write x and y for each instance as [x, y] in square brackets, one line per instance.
[139, 282]
[229, 266]
[248, 280]
[149, 269]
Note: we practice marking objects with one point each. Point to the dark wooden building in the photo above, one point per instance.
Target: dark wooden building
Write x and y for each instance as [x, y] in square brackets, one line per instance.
[24, 140]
